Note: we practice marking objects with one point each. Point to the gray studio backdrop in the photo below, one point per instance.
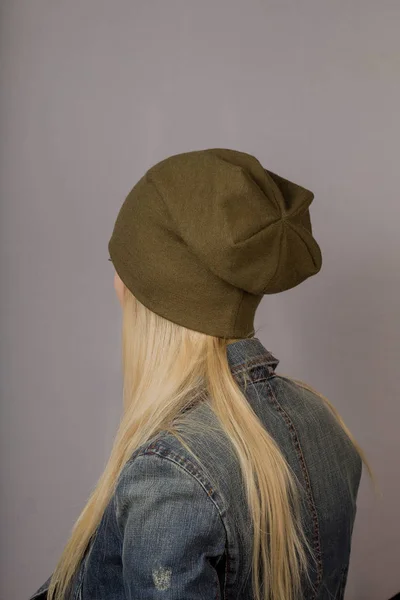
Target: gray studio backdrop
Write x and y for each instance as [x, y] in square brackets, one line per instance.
[93, 92]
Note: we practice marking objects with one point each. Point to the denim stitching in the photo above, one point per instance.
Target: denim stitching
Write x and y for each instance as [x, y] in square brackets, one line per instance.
[311, 503]
[257, 361]
[226, 574]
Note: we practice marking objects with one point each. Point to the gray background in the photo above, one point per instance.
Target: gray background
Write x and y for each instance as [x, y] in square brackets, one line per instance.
[93, 93]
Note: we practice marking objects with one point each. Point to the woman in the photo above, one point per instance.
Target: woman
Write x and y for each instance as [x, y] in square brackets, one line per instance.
[225, 480]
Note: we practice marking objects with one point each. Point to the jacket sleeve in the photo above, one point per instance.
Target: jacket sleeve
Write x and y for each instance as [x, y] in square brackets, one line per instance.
[172, 533]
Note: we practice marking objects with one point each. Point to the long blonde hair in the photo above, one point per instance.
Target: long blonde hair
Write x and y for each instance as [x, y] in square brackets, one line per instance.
[165, 367]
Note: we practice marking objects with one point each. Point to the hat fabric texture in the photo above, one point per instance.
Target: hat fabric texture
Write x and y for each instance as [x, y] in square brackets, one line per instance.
[204, 235]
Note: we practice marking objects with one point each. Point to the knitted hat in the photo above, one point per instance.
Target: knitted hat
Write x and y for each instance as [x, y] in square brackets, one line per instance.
[204, 235]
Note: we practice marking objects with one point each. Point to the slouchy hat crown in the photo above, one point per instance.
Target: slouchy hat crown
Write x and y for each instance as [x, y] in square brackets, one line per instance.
[204, 235]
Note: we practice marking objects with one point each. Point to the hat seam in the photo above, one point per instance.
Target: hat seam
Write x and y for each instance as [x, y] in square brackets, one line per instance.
[241, 299]
[284, 221]
[308, 195]
[249, 177]
[151, 180]
[304, 206]
[263, 228]
[273, 190]
[293, 228]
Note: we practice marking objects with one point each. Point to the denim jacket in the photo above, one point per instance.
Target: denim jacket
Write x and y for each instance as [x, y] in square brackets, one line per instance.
[179, 530]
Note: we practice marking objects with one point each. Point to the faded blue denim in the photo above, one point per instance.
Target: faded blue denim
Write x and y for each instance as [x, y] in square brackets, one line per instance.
[176, 531]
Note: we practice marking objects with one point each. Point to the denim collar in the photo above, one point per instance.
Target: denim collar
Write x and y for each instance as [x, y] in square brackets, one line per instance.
[248, 355]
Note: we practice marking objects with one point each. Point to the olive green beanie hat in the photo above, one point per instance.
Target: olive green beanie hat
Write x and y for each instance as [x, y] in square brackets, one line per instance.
[204, 235]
